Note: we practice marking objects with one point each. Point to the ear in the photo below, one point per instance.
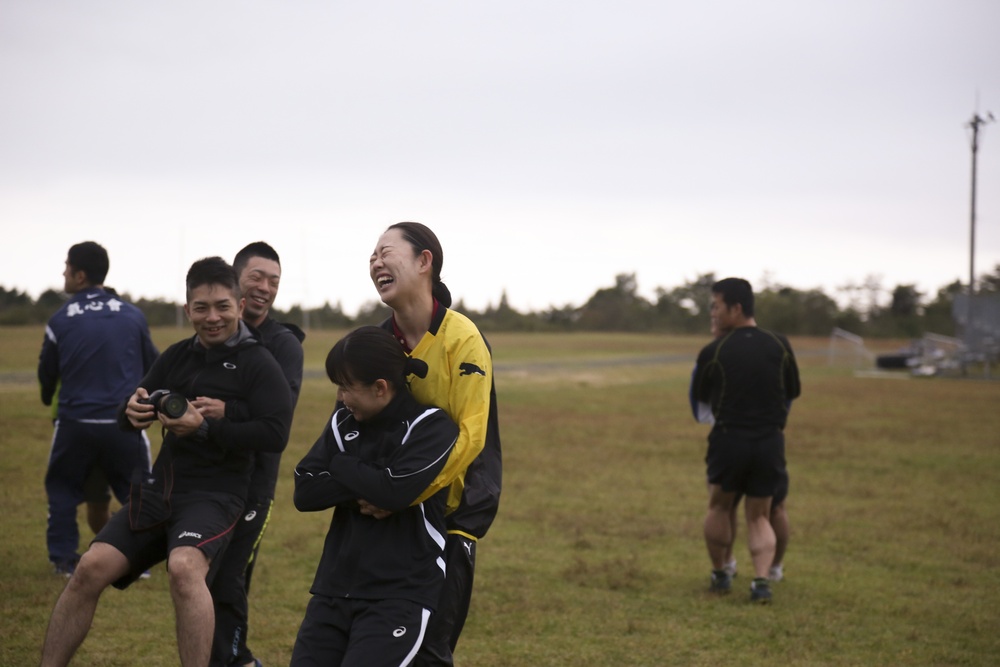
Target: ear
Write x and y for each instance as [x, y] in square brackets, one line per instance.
[425, 262]
[240, 306]
[187, 312]
[381, 388]
[80, 278]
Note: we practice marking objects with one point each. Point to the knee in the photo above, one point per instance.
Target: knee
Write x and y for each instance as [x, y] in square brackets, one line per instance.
[187, 567]
[95, 572]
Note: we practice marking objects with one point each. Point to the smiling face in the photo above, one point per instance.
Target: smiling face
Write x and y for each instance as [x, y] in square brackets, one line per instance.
[259, 284]
[365, 400]
[395, 270]
[214, 312]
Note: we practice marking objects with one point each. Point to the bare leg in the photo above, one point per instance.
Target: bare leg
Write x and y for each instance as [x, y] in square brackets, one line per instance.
[193, 609]
[729, 561]
[718, 527]
[779, 522]
[73, 614]
[760, 535]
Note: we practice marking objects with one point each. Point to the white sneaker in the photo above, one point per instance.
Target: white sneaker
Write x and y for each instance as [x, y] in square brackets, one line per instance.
[776, 573]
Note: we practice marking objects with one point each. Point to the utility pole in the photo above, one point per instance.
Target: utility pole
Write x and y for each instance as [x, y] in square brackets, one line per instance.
[974, 124]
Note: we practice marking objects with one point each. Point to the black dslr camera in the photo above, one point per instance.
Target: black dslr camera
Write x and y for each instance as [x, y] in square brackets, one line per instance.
[168, 402]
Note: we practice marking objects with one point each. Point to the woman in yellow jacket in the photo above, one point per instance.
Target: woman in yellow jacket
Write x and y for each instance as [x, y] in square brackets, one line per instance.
[406, 270]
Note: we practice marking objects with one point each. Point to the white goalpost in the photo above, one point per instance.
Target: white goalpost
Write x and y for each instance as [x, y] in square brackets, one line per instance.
[848, 349]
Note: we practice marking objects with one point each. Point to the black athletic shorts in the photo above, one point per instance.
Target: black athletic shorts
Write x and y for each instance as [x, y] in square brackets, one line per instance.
[359, 633]
[200, 519]
[780, 492]
[97, 488]
[747, 463]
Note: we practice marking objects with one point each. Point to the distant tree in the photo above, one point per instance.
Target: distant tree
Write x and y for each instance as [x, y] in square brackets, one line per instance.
[794, 312]
[905, 301]
[372, 312]
[9, 298]
[505, 318]
[159, 312]
[17, 308]
[990, 282]
[51, 299]
[938, 316]
[333, 317]
[617, 308]
[561, 319]
[905, 311]
[684, 309]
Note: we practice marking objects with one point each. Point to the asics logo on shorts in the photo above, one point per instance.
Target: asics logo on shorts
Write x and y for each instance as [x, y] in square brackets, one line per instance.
[228, 365]
[188, 534]
[399, 632]
[250, 516]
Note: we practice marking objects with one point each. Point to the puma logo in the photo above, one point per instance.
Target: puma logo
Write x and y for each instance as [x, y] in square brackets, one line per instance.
[470, 369]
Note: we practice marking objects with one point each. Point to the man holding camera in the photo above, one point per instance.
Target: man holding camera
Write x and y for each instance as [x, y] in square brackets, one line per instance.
[185, 510]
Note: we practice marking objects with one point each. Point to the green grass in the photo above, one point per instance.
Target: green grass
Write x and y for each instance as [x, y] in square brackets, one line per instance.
[597, 556]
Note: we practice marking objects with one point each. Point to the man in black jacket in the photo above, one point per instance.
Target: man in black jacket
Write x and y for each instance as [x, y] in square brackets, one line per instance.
[259, 270]
[190, 502]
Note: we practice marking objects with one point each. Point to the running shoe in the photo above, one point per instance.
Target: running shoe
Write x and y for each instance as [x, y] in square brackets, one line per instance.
[760, 591]
[721, 582]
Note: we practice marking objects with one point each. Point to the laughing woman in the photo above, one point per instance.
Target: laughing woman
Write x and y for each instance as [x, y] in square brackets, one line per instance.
[378, 578]
[406, 270]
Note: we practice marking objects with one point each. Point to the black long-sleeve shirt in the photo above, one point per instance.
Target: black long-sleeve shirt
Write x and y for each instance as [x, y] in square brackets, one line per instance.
[748, 377]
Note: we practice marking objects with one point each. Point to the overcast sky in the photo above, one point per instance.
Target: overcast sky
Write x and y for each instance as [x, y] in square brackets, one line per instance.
[551, 145]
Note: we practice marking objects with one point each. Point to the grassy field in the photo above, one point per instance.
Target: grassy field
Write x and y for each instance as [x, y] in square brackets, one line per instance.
[597, 558]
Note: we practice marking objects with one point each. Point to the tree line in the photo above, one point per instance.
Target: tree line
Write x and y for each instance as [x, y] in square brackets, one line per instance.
[866, 309]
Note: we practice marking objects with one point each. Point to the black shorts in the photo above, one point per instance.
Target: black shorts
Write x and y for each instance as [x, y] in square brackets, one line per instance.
[359, 633]
[746, 463]
[199, 519]
[780, 492]
[97, 488]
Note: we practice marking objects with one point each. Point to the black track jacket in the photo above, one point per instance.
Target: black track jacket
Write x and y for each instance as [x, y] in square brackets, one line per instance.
[386, 460]
[240, 370]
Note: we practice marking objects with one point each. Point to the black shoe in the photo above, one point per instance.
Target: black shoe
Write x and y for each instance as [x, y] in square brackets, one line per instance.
[721, 582]
[760, 591]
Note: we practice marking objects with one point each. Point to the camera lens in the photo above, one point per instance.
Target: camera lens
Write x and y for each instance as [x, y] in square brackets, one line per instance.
[173, 405]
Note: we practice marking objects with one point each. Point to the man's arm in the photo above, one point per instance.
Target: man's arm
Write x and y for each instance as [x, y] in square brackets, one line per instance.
[286, 347]
[792, 382]
[701, 410]
[48, 367]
